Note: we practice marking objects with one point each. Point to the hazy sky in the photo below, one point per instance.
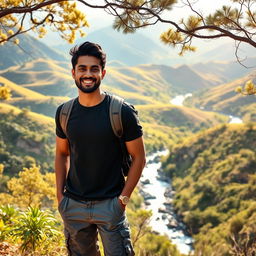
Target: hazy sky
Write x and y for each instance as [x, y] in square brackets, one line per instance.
[99, 18]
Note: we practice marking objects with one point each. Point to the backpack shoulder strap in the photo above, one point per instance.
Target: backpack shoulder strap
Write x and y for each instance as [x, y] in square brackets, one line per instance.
[115, 115]
[65, 113]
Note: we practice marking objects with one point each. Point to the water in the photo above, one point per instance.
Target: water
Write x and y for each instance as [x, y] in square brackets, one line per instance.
[235, 120]
[160, 220]
[178, 100]
[157, 189]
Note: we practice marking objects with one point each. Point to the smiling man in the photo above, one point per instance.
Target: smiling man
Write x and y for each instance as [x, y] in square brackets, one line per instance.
[92, 191]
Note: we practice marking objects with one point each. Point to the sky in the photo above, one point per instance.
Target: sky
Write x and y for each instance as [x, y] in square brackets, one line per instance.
[98, 19]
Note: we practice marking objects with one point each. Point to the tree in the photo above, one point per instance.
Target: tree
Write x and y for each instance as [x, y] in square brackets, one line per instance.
[31, 188]
[236, 21]
[5, 93]
[249, 89]
[18, 17]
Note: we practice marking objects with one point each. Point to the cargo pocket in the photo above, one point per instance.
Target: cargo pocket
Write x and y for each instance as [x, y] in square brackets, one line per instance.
[125, 234]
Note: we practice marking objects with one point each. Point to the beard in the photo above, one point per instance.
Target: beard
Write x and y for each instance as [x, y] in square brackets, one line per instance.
[89, 89]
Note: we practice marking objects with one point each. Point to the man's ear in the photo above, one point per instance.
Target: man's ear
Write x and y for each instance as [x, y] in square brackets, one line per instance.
[103, 73]
[73, 73]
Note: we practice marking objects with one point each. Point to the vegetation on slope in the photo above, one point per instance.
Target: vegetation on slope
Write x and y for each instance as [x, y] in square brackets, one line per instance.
[25, 138]
[215, 181]
[224, 99]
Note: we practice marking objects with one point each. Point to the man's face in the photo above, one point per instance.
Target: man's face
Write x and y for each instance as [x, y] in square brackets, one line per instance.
[88, 73]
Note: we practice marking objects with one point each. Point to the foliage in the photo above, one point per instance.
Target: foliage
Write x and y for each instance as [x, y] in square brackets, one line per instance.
[17, 17]
[249, 89]
[5, 93]
[214, 179]
[33, 228]
[30, 188]
[37, 232]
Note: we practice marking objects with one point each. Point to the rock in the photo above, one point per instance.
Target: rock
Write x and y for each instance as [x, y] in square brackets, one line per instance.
[163, 210]
[146, 195]
[168, 203]
[169, 193]
[163, 178]
[172, 224]
[147, 203]
[145, 182]
[164, 217]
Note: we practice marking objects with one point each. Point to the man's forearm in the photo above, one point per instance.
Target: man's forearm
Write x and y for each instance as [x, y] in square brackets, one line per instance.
[61, 169]
[134, 175]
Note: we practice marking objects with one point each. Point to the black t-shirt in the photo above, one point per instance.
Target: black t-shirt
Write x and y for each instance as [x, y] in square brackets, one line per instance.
[95, 154]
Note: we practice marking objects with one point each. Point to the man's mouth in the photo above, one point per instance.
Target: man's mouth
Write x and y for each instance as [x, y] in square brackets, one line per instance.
[87, 81]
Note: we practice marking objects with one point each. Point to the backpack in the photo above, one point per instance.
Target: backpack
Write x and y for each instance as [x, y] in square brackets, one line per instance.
[116, 123]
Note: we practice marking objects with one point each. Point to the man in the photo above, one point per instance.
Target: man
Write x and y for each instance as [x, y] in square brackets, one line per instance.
[91, 190]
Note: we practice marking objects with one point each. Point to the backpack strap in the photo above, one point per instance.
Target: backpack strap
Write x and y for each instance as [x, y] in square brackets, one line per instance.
[65, 113]
[115, 115]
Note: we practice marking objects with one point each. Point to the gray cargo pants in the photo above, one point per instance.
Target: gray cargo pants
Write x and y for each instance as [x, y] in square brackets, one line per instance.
[84, 219]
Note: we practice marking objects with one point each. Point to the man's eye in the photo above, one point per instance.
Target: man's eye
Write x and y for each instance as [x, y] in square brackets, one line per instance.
[95, 70]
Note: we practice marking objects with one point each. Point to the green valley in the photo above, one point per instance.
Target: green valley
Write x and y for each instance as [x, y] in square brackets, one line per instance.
[213, 174]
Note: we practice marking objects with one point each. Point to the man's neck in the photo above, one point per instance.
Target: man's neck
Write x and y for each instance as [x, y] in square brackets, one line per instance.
[90, 99]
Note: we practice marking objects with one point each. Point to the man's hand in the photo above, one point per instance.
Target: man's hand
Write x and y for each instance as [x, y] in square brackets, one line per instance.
[59, 198]
[122, 205]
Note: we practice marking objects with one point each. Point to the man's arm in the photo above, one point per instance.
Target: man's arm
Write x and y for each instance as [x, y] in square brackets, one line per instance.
[137, 152]
[61, 165]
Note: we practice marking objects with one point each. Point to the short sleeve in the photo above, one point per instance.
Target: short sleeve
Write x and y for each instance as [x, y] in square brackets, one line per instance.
[59, 132]
[131, 125]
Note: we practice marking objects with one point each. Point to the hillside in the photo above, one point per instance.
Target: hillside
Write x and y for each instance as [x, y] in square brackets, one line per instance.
[214, 177]
[220, 72]
[44, 76]
[224, 99]
[175, 116]
[28, 49]
[160, 82]
[157, 81]
[25, 138]
[36, 102]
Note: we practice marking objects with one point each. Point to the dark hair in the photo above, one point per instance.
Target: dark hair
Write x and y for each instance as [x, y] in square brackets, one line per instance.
[87, 49]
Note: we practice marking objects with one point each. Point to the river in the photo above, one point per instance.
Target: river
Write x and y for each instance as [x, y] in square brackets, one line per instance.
[159, 202]
[154, 193]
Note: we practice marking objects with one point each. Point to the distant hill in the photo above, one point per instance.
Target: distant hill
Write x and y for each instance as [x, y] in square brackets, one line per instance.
[160, 82]
[27, 50]
[223, 98]
[131, 49]
[226, 52]
[219, 72]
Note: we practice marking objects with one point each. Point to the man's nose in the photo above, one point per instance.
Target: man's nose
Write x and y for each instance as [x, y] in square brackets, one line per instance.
[88, 72]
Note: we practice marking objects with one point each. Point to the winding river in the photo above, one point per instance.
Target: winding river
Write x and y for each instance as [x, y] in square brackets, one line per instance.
[159, 202]
[158, 196]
